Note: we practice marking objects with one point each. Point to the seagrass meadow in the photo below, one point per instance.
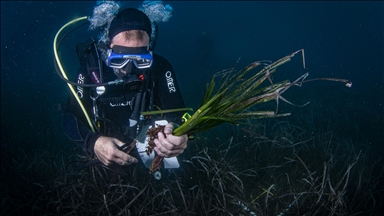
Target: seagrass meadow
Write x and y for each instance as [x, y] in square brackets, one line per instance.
[312, 148]
[303, 165]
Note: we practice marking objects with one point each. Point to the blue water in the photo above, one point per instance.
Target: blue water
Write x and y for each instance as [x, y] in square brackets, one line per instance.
[341, 40]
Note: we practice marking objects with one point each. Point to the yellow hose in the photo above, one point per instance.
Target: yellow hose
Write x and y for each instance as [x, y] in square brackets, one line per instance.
[63, 72]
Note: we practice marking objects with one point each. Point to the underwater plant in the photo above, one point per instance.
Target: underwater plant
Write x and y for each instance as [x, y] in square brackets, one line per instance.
[231, 101]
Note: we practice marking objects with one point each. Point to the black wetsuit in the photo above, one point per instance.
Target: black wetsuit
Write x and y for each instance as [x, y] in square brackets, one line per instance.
[116, 104]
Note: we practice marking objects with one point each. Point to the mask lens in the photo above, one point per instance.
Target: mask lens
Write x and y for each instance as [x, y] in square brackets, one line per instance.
[118, 62]
[142, 63]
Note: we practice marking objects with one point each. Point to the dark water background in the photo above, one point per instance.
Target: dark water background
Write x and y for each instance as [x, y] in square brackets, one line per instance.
[341, 40]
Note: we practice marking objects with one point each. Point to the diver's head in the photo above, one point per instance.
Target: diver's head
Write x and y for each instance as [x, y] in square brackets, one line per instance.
[129, 36]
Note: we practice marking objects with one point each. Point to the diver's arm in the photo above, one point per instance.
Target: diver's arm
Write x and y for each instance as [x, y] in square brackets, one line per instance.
[75, 124]
[74, 121]
[167, 91]
[169, 97]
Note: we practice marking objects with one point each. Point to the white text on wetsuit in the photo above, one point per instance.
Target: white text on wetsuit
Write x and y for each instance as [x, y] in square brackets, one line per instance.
[80, 90]
[171, 85]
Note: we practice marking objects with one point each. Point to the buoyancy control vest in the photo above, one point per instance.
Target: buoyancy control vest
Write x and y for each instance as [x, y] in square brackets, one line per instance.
[117, 106]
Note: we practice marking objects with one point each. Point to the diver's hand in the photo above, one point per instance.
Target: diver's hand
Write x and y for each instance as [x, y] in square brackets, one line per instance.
[170, 145]
[107, 152]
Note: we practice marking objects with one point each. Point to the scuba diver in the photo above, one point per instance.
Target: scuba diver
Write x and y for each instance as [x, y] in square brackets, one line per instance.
[120, 78]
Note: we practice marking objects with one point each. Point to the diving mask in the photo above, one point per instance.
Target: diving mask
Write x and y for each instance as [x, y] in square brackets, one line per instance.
[120, 56]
